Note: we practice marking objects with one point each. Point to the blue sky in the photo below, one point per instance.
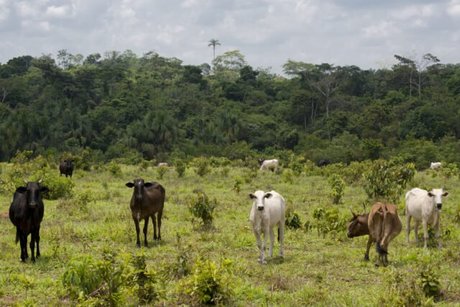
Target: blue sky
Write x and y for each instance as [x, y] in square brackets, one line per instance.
[365, 33]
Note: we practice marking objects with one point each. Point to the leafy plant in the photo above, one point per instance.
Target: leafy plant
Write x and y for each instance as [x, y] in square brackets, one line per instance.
[386, 180]
[337, 188]
[202, 167]
[201, 207]
[292, 219]
[180, 167]
[210, 283]
[161, 170]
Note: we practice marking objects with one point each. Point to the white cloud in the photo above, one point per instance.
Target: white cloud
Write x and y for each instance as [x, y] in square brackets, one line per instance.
[453, 8]
[58, 11]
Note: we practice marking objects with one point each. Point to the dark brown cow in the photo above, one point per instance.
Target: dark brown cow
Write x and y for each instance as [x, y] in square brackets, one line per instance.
[66, 168]
[382, 224]
[26, 213]
[147, 200]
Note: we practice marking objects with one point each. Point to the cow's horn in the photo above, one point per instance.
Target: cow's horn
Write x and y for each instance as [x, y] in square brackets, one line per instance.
[40, 180]
[25, 181]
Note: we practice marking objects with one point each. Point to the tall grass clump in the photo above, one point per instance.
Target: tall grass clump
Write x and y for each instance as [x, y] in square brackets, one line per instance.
[180, 167]
[337, 185]
[210, 283]
[201, 207]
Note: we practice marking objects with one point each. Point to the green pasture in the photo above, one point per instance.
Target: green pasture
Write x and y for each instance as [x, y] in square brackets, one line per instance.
[92, 231]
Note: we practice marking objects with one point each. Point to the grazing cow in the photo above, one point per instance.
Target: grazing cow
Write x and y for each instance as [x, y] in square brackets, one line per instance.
[426, 207]
[66, 168]
[272, 164]
[268, 210]
[162, 164]
[147, 200]
[382, 224]
[323, 162]
[435, 165]
[26, 213]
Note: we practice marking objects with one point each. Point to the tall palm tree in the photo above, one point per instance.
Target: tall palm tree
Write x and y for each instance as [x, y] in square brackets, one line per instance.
[214, 42]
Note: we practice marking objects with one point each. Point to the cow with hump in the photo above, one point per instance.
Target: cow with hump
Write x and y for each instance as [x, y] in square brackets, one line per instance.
[267, 211]
[26, 213]
[272, 165]
[147, 202]
[382, 224]
[424, 206]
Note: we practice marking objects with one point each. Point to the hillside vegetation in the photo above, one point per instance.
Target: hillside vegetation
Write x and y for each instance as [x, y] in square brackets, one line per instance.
[123, 106]
[89, 256]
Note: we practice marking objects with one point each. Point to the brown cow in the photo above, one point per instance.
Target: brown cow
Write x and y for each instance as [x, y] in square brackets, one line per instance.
[382, 225]
[148, 198]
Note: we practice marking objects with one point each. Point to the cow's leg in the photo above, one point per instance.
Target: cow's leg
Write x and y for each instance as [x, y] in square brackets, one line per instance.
[159, 215]
[368, 247]
[281, 238]
[37, 240]
[146, 225]
[425, 232]
[32, 244]
[259, 245]
[272, 242]
[23, 242]
[438, 232]
[416, 225]
[136, 223]
[408, 218]
[264, 243]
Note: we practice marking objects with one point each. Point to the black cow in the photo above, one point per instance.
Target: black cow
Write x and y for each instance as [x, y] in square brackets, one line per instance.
[26, 213]
[66, 168]
[323, 162]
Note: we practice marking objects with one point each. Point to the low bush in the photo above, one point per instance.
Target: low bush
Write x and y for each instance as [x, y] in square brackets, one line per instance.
[202, 208]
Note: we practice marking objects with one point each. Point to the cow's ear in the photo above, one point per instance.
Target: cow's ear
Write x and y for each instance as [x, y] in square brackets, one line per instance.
[130, 184]
[148, 184]
[21, 190]
[44, 189]
[268, 195]
[445, 194]
[430, 194]
[252, 196]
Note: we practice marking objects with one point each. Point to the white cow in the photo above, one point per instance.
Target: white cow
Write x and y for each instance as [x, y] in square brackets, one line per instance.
[268, 210]
[435, 165]
[163, 164]
[424, 207]
[272, 164]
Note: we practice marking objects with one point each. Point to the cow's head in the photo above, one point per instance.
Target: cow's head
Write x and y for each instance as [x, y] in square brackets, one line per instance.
[358, 225]
[259, 199]
[436, 195]
[32, 191]
[138, 185]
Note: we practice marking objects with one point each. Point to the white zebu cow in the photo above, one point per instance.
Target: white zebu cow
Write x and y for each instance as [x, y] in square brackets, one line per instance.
[435, 165]
[424, 207]
[163, 164]
[272, 165]
[268, 210]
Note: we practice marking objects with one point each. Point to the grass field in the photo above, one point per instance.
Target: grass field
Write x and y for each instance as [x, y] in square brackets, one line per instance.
[93, 232]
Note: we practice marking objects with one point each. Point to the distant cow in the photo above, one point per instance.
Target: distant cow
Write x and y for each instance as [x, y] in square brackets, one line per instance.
[323, 162]
[66, 167]
[435, 165]
[272, 164]
[424, 207]
[163, 164]
[268, 211]
[26, 213]
[382, 224]
[147, 200]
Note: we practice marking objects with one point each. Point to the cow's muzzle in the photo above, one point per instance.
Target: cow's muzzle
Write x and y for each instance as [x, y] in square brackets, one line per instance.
[260, 208]
[439, 206]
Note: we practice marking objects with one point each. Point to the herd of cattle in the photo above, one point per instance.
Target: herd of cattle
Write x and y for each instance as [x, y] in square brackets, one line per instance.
[382, 224]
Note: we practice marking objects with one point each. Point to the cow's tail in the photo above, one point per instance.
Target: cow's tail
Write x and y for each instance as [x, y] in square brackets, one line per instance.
[380, 250]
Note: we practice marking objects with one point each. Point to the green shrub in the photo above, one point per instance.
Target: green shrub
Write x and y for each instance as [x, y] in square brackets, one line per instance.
[202, 167]
[429, 280]
[386, 180]
[59, 186]
[142, 280]
[161, 170]
[202, 208]
[180, 167]
[288, 176]
[292, 219]
[237, 184]
[328, 221]
[337, 188]
[114, 168]
[94, 281]
[210, 283]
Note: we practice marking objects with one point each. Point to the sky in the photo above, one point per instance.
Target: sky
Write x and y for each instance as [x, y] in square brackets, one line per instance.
[365, 33]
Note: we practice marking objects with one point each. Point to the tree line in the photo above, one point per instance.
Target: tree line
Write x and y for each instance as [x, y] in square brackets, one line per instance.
[123, 106]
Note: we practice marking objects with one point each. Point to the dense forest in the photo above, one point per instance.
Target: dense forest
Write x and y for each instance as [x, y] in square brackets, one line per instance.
[122, 106]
